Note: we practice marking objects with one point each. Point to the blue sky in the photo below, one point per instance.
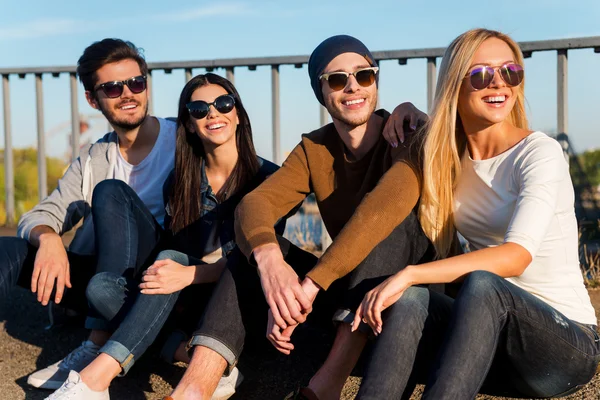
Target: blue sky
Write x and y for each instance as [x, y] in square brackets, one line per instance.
[42, 33]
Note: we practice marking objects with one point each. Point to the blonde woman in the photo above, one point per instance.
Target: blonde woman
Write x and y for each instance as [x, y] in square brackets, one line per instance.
[522, 311]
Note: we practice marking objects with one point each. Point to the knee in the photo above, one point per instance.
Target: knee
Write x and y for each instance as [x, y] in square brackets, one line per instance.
[103, 289]
[481, 284]
[414, 301]
[176, 256]
[109, 190]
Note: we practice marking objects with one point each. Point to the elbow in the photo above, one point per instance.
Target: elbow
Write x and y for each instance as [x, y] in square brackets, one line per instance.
[520, 258]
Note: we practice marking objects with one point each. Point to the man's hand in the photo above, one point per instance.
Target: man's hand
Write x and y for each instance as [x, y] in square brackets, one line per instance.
[281, 338]
[51, 264]
[281, 286]
[405, 119]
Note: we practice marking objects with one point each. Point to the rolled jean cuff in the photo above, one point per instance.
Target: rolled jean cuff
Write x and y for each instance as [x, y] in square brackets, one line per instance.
[99, 324]
[346, 316]
[218, 347]
[120, 353]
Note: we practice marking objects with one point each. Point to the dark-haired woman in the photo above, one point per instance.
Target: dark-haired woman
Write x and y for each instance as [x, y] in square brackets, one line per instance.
[215, 166]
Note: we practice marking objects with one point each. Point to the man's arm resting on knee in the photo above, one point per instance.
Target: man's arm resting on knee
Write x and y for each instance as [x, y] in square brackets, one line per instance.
[51, 263]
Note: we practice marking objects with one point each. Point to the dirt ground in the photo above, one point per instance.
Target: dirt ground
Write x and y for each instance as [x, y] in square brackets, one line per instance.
[26, 345]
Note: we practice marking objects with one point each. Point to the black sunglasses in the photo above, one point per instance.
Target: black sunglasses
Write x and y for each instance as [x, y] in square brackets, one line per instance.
[114, 89]
[339, 79]
[200, 109]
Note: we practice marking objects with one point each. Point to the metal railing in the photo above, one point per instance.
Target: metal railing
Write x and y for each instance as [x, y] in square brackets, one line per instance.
[561, 46]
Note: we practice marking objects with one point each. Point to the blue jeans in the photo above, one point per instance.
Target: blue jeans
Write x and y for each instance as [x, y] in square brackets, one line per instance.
[135, 317]
[126, 233]
[495, 335]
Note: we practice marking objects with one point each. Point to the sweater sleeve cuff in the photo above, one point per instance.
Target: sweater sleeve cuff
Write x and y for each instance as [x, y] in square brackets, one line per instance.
[255, 241]
[322, 277]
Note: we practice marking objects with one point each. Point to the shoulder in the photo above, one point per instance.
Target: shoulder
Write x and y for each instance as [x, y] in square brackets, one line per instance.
[167, 124]
[319, 136]
[266, 167]
[539, 154]
[539, 146]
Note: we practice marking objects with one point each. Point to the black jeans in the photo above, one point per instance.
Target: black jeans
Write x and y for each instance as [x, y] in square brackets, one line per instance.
[127, 238]
[238, 307]
[494, 337]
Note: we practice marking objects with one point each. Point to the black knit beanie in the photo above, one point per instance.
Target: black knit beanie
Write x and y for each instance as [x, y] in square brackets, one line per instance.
[330, 49]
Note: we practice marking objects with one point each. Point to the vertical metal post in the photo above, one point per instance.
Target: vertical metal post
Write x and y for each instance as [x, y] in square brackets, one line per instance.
[41, 146]
[149, 88]
[431, 82]
[276, 110]
[323, 116]
[229, 74]
[562, 87]
[9, 179]
[75, 122]
[188, 75]
[325, 238]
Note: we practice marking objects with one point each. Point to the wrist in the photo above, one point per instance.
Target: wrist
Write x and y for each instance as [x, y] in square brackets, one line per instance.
[262, 254]
[410, 275]
[49, 237]
[310, 288]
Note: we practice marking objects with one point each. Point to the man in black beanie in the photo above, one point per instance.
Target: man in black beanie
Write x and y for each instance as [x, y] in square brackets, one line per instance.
[366, 191]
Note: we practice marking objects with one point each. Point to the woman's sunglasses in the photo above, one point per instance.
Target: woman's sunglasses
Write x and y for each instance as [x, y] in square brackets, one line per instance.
[200, 109]
[338, 80]
[114, 89]
[482, 77]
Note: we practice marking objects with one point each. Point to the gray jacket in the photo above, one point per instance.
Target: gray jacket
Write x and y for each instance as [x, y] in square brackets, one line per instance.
[72, 199]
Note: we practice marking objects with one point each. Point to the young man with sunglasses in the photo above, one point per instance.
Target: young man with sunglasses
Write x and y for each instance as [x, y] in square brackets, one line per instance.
[366, 191]
[114, 186]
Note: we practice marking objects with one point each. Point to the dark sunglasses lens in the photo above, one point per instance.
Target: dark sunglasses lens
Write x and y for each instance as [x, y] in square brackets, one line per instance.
[137, 84]
[224, 104]
[481, 77]
[337, 81]
[365, 77]
[512, 74]
[198, 109]
[113, 89]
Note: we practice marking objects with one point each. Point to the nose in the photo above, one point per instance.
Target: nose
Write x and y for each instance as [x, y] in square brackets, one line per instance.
[212, 111]
[497, 80]
[352, 84]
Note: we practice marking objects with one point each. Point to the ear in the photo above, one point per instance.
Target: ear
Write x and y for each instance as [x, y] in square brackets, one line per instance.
[91, 99]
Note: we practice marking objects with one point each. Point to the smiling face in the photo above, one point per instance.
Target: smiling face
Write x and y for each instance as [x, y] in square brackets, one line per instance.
[354, 104]
[216, 128]
[127, 111]
[491, 105]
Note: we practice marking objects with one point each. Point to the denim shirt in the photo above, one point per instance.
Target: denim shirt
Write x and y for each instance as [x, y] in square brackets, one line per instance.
[214, 228]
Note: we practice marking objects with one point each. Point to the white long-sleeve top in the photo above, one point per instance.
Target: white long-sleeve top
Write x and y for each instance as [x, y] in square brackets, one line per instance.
[525, 196]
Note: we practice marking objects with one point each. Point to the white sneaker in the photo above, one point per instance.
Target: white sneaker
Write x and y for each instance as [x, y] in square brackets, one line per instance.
[227, 385]
[55, 375]
[75, 389]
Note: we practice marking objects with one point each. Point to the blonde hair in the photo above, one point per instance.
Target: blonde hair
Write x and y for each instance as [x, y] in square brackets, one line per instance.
[445, 141]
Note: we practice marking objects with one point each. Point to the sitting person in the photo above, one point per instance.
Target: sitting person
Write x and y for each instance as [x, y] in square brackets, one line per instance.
[522, 319]
[215, 166]
[114, 181]
[366, 191]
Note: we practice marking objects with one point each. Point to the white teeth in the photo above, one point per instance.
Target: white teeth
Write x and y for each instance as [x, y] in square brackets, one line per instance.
[215, 126]
[128, 107]
[350, 102]
[495, 99]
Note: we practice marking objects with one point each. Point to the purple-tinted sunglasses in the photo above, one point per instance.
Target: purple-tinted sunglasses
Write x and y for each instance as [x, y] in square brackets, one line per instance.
[482, 77]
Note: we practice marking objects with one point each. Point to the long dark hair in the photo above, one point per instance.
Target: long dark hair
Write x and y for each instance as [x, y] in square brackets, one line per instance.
[184, 199]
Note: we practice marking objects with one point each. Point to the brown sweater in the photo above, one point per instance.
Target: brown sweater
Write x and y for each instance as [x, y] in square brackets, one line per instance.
[361, 202]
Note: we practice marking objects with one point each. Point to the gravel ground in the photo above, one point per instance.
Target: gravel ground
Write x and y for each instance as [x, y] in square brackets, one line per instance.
[25, 345]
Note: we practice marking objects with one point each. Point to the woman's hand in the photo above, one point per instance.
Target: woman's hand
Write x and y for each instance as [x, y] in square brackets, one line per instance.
[380, 298]
[166, 277]
[405, 119]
